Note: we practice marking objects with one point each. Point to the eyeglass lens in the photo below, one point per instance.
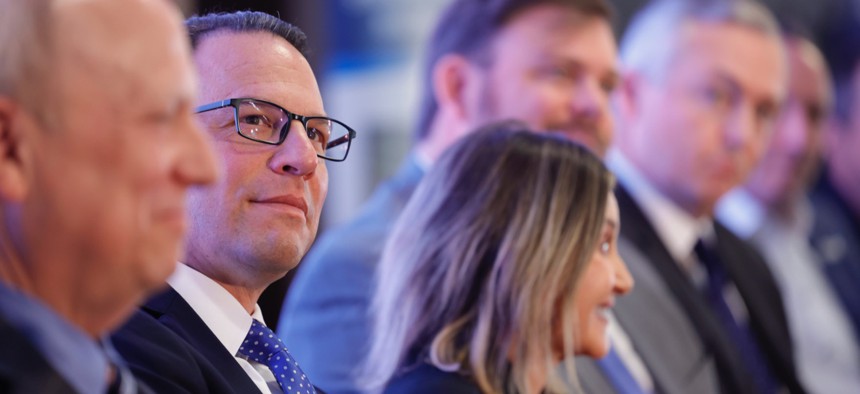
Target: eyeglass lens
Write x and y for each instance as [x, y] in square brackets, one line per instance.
[263, 122]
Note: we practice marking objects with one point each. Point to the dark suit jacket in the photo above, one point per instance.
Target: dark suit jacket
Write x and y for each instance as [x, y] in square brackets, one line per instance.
[753, 280]
[427, 379]
[23, 369]
[836, 238]
[171, 349]
[324, 318]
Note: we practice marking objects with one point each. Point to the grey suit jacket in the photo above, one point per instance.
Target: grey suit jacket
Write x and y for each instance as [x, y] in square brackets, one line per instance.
[662, 335]
[746, 269]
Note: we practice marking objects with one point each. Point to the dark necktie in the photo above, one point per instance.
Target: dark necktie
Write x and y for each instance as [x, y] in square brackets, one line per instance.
[739, 332]
[619, 376]
[263, 346]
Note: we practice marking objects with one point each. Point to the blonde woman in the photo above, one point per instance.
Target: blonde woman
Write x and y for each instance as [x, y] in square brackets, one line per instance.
[502, 265]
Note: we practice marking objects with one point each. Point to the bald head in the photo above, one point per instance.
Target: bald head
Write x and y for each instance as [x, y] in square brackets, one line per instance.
[106, 48]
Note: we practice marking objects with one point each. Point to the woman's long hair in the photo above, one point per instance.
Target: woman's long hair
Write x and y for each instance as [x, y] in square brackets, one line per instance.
[481, 268]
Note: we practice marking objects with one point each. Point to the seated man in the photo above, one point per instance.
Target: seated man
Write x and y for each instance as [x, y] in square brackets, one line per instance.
[261, 105]
[93, 178]
[702, 84]
[772, 210]
[836, 197]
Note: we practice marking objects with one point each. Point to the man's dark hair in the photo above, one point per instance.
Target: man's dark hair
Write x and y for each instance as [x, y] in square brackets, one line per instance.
[200, 26]
[466, 27]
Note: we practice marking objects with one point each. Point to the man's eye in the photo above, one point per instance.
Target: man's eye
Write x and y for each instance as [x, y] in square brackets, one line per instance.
[254, 119]
[314, 134]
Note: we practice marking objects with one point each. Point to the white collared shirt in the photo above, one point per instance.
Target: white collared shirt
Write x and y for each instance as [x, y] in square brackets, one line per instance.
[225, 317]
[678, 230]
[826, 351]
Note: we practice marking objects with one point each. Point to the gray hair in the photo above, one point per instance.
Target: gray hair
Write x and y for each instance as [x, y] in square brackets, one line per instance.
[651, 41]
[25, 48]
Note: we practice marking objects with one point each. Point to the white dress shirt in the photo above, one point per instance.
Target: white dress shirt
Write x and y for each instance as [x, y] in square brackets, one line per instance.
[826, 351]
[678, 230]
[225, 317]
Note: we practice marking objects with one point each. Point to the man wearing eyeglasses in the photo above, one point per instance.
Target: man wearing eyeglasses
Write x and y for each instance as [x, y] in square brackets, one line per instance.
[261, 105]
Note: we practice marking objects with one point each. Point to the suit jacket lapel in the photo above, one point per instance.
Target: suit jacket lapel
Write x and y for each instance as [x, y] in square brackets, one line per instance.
[767, 317]
[637, 229]
[175, 313]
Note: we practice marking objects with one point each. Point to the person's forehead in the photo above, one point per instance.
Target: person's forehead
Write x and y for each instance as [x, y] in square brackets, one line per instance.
[809, 75]
[555, 33]
[550, 23]
[754, 59]
[256, 65]
[137, 45]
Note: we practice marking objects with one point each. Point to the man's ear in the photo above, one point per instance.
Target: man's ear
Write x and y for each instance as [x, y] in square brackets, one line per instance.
[451, 75]
[13, 153]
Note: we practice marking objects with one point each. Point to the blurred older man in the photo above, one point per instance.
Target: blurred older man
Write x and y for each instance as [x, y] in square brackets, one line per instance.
[703, 83]
[99, 147]
[771, 210]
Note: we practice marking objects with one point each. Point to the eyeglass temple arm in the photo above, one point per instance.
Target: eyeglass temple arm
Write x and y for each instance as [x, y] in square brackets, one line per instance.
[215, 105]
[342, 140]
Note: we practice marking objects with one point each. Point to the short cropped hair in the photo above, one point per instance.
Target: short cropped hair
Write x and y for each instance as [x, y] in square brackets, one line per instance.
[25, 49]
[200, 26]
[479, 274]
[467, 27]
[651, 41]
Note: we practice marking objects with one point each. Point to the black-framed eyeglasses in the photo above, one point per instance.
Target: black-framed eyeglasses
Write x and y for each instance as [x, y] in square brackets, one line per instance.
[269, 123]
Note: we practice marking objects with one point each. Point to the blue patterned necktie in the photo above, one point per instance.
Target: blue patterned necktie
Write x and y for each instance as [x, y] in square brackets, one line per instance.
[263, 346]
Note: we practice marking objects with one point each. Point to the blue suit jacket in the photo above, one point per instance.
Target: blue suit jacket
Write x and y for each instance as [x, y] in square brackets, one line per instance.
[171, 349]
[836, 238]
[23, 369]
[324, 318]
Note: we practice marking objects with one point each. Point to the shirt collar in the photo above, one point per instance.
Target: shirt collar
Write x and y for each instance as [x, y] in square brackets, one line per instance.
[76, 356]
[741, 213]
[746, 216]
[218, 309]
[678, 230]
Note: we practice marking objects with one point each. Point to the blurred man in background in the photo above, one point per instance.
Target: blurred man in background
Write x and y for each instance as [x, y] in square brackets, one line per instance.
[93, 178]
[772, 210]
[703, 83]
